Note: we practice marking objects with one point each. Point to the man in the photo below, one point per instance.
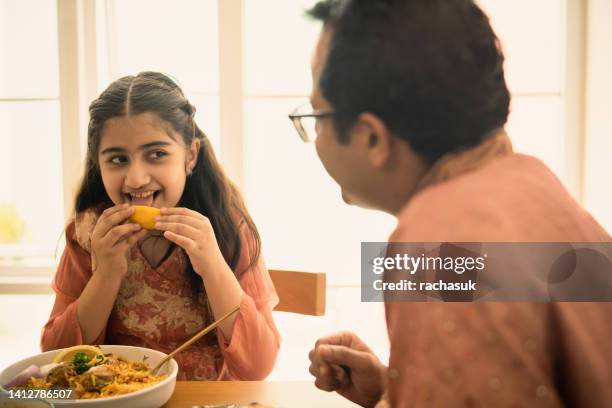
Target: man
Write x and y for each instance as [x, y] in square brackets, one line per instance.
[410, 102]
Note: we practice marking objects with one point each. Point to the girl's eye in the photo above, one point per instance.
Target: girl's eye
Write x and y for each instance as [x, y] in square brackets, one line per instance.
[157, 154]
[116, 160]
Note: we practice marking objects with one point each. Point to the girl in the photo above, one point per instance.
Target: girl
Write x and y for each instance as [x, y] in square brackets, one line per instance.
[120, 284]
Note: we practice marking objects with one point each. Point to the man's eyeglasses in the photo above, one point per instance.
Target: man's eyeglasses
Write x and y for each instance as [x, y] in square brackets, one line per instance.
[305, 119]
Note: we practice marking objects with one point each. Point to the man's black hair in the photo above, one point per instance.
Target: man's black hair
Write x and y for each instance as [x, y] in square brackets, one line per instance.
[432, 70]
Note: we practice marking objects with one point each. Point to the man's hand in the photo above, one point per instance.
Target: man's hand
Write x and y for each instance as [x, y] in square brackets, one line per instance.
[343, 363]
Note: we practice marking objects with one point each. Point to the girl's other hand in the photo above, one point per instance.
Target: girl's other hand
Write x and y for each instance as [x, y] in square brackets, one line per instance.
[112, 238]
[194, 233]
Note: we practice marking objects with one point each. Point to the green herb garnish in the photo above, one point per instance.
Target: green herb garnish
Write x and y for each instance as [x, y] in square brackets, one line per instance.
[82, 363]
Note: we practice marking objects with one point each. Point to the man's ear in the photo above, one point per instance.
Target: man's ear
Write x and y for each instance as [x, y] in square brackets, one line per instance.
[377, 139]
[192, 155]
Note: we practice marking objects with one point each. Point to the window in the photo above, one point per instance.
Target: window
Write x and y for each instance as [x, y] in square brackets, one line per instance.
[284, 175]
[179, 38]
[31, 191]
[535, 74]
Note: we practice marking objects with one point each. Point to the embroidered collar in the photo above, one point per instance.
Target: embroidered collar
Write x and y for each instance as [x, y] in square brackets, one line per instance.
[496, 145]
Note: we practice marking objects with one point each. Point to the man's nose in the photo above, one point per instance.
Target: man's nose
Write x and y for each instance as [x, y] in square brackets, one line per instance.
[137, 176]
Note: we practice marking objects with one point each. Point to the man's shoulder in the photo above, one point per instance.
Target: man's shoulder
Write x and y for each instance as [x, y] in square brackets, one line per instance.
[501, 201]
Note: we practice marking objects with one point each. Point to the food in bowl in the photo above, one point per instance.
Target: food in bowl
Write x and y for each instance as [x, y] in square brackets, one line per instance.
[144, 216]
[92, 374]
[118, 377]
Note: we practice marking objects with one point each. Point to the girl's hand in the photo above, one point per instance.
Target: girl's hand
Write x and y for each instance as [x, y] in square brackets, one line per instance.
[193, 232]
[111, 239]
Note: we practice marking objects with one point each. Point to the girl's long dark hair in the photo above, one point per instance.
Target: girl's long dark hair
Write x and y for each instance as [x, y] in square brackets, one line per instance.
[207, 191]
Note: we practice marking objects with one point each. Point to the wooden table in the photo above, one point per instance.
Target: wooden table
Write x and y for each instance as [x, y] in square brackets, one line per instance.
[276, 394]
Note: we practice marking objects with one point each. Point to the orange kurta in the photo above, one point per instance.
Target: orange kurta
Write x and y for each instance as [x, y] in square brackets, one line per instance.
[497, 354]
[156, 308]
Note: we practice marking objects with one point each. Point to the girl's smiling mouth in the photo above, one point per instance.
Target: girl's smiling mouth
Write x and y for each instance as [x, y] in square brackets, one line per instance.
[142, 198]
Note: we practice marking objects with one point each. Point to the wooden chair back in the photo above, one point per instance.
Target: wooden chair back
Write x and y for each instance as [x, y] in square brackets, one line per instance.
[299, 292]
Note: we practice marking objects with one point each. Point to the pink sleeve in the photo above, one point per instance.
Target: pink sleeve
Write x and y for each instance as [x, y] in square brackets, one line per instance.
[255, 342]
[63, 328]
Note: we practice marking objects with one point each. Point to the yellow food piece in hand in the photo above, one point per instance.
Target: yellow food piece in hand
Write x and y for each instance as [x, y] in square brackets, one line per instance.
[68, 354]
[145, 216]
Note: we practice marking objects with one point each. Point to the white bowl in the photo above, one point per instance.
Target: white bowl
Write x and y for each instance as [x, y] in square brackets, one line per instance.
[151, 397]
